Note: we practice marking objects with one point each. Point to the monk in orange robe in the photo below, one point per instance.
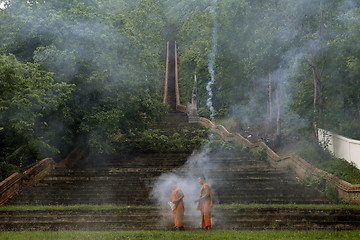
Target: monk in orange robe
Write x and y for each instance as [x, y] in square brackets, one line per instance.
[205, 203]
[178, 208]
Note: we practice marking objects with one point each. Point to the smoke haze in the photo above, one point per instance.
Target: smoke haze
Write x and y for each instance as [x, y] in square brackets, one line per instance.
[211, 59]
[297, 41]
[199, 163]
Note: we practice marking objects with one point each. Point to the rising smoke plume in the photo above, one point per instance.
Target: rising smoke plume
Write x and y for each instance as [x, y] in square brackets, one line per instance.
[299, 46]
[211, 59]
[199, 162]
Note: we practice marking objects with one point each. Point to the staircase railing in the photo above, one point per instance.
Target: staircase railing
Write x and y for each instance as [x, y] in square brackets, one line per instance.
[166, 74]
[13, 184]
[73, 158]
[10, 187]
[179, 106]
[347, 192]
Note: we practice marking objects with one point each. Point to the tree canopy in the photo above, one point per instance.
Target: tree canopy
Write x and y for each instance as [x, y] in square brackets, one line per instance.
[80, 72]
[295, 59]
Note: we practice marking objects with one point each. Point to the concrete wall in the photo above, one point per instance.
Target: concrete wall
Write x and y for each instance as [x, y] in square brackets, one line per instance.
[341, 147]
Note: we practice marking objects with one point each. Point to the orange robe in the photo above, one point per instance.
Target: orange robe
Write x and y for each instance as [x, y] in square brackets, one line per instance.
[178, 212]
[205, 207]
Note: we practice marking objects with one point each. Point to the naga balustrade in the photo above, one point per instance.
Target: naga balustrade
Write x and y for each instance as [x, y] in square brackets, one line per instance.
[347, 192]
[10, 187]
[166, 74]
[30, 177]
[179, 106]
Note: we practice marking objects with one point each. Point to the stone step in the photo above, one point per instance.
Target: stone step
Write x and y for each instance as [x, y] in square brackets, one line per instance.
[138, 171]
[219, 188]
[141, 187]
[174, 121]
[176, 117]
[259, 218]
[124, 179]
[92, 199]
[140, 201]
[138, 196]
[145, 173]
[235, 163]
[223, 183]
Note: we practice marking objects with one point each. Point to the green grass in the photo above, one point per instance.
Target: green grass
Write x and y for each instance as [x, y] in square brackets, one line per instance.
[216, 206]
[216, 234]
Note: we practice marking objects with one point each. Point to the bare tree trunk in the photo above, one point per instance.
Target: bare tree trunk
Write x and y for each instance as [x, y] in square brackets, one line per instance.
[318, 90]
[315, 89]
[278, 125]
[269, 100]
[318, 72]
[315, 100]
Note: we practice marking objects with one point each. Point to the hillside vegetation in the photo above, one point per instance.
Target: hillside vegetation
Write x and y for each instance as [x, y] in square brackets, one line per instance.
[81, 72]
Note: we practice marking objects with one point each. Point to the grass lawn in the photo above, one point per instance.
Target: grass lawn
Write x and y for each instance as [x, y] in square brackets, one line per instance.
[216, 234]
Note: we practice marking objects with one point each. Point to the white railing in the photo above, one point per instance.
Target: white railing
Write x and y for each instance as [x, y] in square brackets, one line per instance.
[340, 146]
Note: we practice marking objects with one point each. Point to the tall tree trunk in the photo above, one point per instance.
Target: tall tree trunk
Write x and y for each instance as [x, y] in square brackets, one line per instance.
[318, 72]
[315, 89]
[315, 101]
[269, 100]
[278, 125]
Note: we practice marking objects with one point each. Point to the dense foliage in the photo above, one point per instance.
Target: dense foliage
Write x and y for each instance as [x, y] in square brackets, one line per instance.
[157, 140]
[281, 67]
[80, 72]
[279, 64]
[77, 73]
[186, 139]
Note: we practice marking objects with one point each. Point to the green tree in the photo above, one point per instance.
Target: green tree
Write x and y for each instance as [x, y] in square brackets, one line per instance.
[27, 95]
[113, 67]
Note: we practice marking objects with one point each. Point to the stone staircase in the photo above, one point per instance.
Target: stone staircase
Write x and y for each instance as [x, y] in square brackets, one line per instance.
[259, 218]
[125, 181]
[236, 178]
[174, 121]
[98, 180]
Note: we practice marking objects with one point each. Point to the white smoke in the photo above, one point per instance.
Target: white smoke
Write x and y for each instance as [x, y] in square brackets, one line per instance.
[199, 162]
[186, 179]
[211, 59]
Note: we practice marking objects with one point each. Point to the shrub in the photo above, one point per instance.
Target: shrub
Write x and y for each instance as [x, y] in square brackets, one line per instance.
[309, 149]
[6, 170]
[332, 193]
[245, 149]
[260, 154]
[156, 140]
